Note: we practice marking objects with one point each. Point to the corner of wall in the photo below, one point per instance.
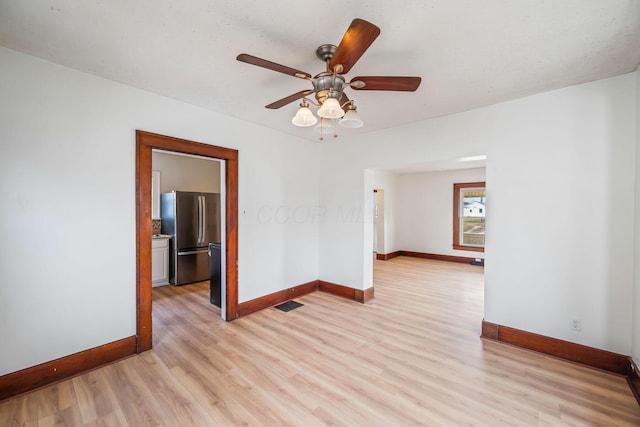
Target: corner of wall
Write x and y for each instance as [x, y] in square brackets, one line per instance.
[635, 327]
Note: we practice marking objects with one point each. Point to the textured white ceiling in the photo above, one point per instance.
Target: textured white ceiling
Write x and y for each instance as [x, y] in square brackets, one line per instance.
[469, 53]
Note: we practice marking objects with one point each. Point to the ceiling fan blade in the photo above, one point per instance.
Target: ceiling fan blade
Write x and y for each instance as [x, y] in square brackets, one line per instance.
[403, 84]
[343, 99]
[289, 99]
[355, 42]
[254, 60]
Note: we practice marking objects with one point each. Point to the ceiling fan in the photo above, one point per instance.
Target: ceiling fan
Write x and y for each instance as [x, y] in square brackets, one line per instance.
[329, 85]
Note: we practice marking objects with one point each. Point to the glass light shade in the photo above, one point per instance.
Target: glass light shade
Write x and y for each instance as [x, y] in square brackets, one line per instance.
[325, 126]
[304, 118]
[331, 109]
[351, 120]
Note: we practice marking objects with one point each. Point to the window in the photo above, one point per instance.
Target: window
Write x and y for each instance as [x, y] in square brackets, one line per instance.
[468, 216]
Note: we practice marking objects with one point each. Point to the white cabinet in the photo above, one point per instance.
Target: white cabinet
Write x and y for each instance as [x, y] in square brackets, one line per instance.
[160, 261]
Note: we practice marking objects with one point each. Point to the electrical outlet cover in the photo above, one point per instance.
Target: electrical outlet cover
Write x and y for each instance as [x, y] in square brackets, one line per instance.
[576, 325]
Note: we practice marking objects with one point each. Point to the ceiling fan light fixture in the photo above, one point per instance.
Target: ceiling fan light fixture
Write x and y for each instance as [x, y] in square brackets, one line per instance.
[331, 109]
[304, 117]
[351, 119]
[329, 85]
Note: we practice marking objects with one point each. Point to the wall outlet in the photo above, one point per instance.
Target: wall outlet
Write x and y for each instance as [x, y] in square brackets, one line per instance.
[576, 324]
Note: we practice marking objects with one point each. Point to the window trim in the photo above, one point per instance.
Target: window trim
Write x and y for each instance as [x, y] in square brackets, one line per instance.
[456, 215]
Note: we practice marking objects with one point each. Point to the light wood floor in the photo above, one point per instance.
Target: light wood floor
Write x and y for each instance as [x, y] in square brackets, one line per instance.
[412, 356]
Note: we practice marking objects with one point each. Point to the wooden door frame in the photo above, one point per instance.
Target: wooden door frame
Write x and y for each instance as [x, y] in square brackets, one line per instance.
[145, 142]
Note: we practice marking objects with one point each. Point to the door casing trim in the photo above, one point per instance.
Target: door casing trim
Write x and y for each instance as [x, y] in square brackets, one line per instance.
[145, 143]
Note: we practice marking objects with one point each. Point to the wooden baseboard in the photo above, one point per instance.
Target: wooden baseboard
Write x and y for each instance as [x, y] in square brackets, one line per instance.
[345, 291]
[634, 380]
[593, 357]
[276, 298]
[335, 289]
[47, 373]
[589, 356]
[364, 295]
[450, 258]
[386, 257]
[490, 330]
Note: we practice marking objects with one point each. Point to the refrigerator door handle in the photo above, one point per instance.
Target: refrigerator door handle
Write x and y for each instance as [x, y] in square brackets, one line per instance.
[199, 219]
[198, 238]
[204, 219]
[201, 251]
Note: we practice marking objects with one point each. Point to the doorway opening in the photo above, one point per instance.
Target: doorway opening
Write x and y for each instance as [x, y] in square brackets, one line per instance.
[145, 143]
[197, 183]
[412, 212]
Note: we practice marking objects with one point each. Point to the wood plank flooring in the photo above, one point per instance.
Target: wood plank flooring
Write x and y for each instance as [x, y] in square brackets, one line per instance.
[411, 356]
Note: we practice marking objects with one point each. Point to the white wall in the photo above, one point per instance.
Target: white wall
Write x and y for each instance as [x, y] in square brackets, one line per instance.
[67, 181]
[67, 217]
[186, 173]
[543, 267]
[425, 210]
[635, 351]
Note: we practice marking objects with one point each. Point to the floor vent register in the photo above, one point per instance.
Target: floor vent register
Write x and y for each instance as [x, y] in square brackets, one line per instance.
[288, 306]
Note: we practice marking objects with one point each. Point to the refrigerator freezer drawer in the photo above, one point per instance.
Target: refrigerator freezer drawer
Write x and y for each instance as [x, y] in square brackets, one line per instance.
[192, 266]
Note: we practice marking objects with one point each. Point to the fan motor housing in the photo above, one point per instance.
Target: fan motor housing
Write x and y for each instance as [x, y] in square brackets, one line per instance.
[325, 52]
[328, 85]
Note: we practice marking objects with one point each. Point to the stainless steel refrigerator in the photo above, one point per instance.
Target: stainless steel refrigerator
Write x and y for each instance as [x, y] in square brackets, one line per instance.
[193, 221]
